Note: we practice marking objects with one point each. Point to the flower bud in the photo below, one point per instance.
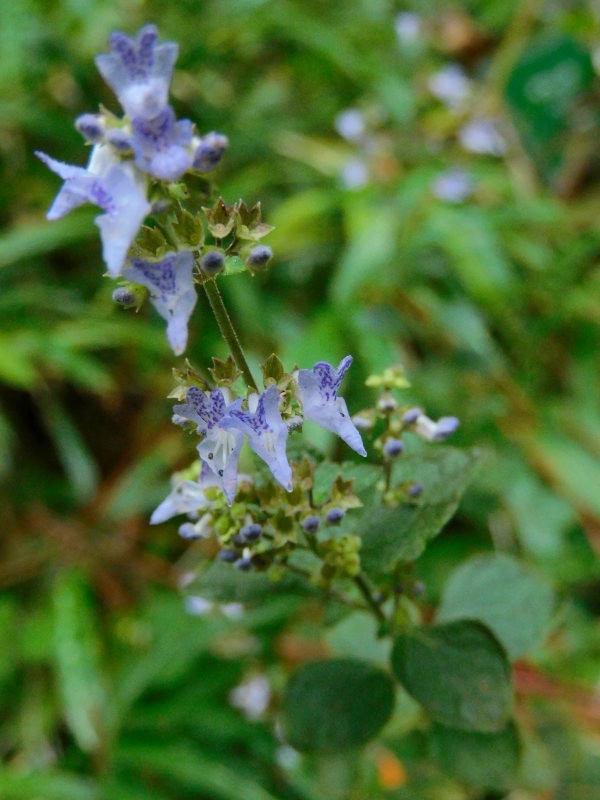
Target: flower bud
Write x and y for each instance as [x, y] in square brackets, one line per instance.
[210, 151]
[415, 490]
[250, 533]
[335, 515]
[311, 524]
[212, 263]
[393, 447]
[189, 531]
[387, 403]
[91, 127]
[229, 556]
[130, 296]
[259, 256]
[243, 563]
[410, 417]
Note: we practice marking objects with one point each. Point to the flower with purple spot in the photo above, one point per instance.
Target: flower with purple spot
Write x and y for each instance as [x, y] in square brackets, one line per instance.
[266, 431]
[172, 291]
[162, 144]
[139, 71]
[317, 391]
[220, 447]
[113, 185]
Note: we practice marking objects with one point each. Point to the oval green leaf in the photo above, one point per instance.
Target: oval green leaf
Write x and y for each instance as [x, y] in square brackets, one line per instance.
[336, 705]
[458, 672]
[485, 760]
[512, 601]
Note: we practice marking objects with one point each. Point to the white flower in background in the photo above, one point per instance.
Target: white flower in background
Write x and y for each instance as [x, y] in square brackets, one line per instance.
[481, 135]
[450, 85]
[452, 186]
[354, 174]
[252, 696]
[408, 27]
[351, 124]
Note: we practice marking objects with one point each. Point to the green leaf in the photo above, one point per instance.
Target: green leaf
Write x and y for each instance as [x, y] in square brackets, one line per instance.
[77, 660]
[49, 785]
[397, 534]
[222, 582]
[191, 768]
[336, 705]
[365, 478]
[514, 603]
[458, 672]
[485, 760]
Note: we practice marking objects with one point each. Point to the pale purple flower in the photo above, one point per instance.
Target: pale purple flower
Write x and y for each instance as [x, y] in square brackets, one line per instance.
[351, 124]
[113, 185]
[186, 497]
[220, 447]
[450, 85]
[317, 391]
[139, 71]
[172, 291]
[453, 186]
[482, 135]
[162, 144]
[266, 431]
[435, 431]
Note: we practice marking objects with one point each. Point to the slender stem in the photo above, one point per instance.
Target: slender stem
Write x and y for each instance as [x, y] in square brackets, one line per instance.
[364, 589]
[228, 331]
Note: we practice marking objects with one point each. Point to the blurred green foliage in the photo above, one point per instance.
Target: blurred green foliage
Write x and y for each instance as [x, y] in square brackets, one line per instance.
[109, 688]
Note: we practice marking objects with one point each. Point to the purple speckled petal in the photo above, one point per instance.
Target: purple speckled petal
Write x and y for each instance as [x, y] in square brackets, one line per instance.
[267, 433]
[172, 291]
[162, 145]
[139, 71]
[116, 187]
[317, 391]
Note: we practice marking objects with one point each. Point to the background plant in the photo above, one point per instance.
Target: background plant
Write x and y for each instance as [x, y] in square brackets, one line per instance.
[498, 324]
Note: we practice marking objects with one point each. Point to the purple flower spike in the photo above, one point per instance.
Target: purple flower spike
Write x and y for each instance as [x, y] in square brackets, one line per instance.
[139, 71]
[220, 448]
[317, 391]
[266, 431]
[116, 187]
[160, 145]
[172, 291]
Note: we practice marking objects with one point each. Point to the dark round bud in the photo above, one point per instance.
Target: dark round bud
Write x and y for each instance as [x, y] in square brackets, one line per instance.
[393, 447]
[311, 524]
[244, 564]
[229, 555]
[188, 531]
[334, 516]
[418, 588]
[259, 256]
[415, 489]
[212, 262]
[91, 127]
[124, 297]
[250, 533]
[210, 151]
[410, 416]
[238, 540]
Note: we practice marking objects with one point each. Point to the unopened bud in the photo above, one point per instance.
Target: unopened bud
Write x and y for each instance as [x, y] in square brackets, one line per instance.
[387, 403]
[250, 533]
[212, 263]
[91, 127]
[210, 151]
[415, 490]
[311, 524]
[189, 531]
[259, 256]
[410, 417]
[393, 447]
[229, 556]
[130, 296]
[335, 515]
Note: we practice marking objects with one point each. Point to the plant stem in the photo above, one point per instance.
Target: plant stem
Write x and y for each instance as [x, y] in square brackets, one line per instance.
[363, 586]
[228, 331]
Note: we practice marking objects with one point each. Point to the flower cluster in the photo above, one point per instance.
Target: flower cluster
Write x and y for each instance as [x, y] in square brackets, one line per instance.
[224, 422]
[134, 163]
